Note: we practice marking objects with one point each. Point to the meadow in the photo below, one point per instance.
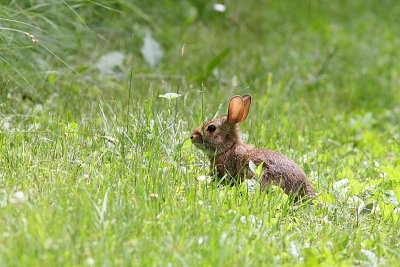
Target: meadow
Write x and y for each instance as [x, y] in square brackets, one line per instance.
[98, 99]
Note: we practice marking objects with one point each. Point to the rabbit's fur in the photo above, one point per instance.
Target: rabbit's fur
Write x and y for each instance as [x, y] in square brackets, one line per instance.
[220, 140]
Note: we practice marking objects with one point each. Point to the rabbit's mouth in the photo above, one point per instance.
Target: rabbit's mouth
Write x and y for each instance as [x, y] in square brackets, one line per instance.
[201, 144]
[209, 149]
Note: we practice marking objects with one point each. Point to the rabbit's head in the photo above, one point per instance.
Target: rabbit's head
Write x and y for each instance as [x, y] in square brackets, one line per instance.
[218, 135]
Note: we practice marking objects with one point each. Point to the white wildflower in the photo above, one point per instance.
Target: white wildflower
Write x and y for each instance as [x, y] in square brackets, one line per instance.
[18, 198]
[200, 240]
[219, 7]
[202, 178]
[90, 261]
[170, 96]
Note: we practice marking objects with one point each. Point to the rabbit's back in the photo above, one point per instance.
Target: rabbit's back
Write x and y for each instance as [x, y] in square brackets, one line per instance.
[280, 170]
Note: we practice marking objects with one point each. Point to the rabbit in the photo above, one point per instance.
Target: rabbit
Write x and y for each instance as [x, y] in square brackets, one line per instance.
[230, 156]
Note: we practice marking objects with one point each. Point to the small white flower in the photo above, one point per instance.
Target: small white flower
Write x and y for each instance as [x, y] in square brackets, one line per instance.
[153, 195]
[201, 240]
[232, 211]
[200, 202]
[90, 261]
[202, 178]
[18, 198]
[170, 96]
[219, 7]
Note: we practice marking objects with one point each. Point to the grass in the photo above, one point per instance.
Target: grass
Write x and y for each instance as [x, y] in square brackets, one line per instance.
[96, 169]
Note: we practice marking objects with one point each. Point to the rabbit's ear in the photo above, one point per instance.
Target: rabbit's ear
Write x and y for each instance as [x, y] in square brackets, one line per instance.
[247, 103]
[236, 109]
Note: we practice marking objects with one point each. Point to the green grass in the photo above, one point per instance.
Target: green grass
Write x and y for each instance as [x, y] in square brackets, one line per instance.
[108, 176]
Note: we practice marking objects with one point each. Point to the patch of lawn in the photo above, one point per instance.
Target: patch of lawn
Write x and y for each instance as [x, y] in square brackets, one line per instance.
[96, 168]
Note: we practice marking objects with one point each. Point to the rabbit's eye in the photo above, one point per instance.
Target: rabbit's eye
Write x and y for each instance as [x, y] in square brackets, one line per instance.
[211, 128]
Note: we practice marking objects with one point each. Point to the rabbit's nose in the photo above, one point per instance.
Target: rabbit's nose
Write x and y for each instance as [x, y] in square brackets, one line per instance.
[194, 136]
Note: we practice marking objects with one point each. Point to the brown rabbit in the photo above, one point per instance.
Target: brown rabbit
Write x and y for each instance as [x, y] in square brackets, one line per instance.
[220, 140]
